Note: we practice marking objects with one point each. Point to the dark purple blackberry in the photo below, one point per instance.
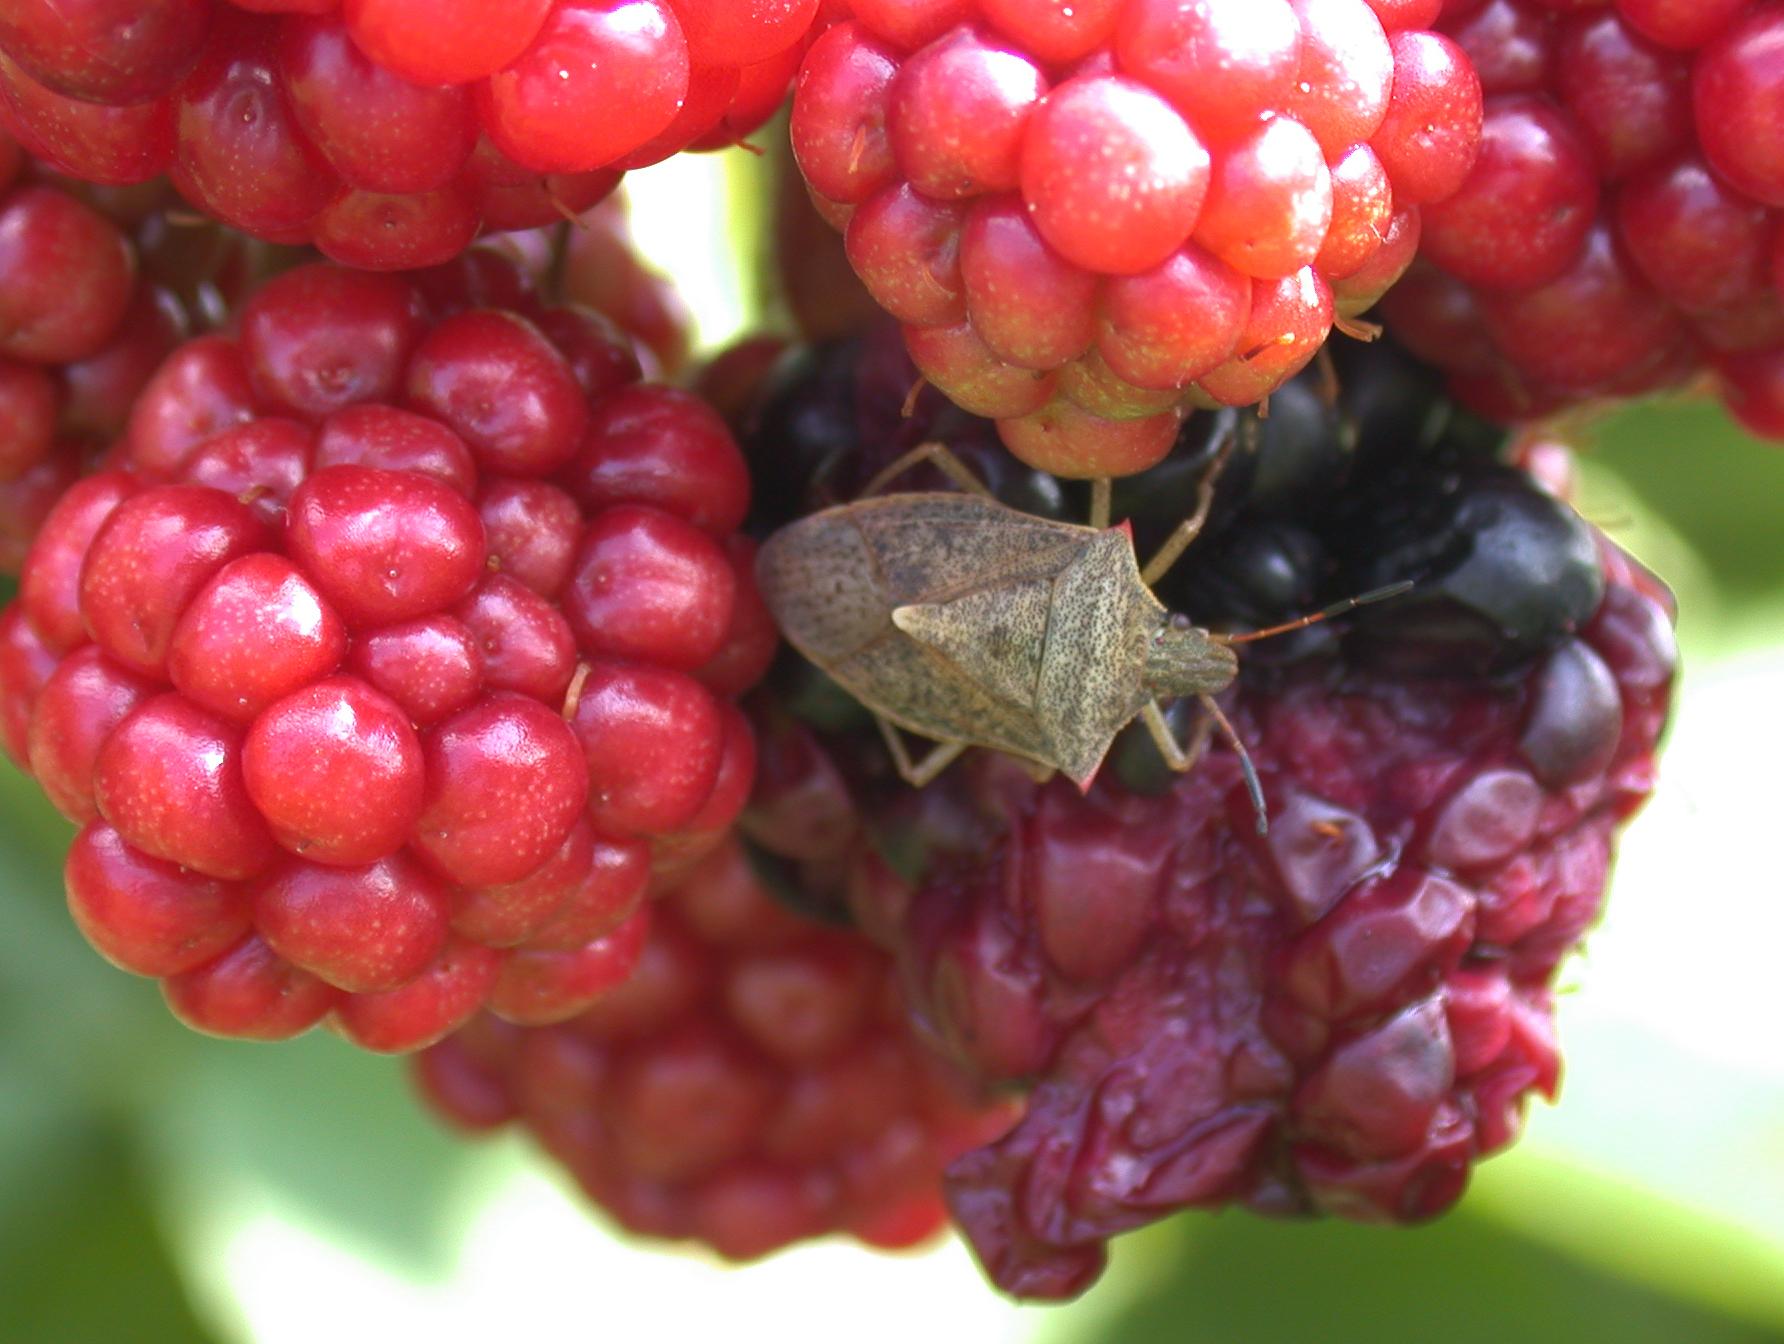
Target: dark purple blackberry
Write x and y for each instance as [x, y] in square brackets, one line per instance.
[1339, 1018]
[1501, 571]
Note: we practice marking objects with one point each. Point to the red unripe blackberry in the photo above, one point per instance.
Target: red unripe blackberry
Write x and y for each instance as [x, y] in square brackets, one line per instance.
[389, 711]
[1023, 183]
[389, 133]
[751, 1085]
[1617, 228]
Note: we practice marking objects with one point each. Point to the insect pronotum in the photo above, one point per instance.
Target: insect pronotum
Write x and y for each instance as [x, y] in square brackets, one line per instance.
[965, 621]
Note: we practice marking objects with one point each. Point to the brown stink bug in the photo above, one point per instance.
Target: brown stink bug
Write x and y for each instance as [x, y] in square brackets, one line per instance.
[974, 624]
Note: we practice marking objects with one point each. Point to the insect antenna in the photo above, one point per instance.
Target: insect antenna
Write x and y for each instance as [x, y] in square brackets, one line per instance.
[1252, 786]
[1336, 609]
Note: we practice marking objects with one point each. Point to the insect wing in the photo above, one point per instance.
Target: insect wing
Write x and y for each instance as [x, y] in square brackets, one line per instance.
[834, 579]
[1093, 667]
[935, 547]
[822, 582]
[994, 635]
[921, 689]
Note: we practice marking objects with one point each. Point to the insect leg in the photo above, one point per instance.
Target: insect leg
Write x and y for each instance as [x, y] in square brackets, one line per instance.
[1178, 542]
[918, 773]
[945, 461]
[1255, 789]
[1181, 759]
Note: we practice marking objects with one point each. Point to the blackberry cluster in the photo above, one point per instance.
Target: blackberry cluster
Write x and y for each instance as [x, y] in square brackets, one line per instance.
[1619, 233]
[753, 1084]
[1341, 1017]
[1092, 218]
[391, 631]
[386, 657]
[388, 133]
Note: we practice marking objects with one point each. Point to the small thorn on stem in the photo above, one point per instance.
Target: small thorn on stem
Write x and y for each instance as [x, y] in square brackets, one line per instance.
[557, 204]
[1329, 385]
[573, 694]
[910, 398]
[1359, 330]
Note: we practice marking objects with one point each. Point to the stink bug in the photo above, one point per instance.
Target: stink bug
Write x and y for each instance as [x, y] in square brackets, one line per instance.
[971, 623]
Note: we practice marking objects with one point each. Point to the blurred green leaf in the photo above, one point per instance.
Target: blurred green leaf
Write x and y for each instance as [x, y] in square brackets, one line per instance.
[331, 1126]
[82, 1259]
[1717, 485]
[1236, 1279]
[327, 1128]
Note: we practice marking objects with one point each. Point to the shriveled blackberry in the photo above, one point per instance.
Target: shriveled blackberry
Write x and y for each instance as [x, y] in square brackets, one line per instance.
[1339, 1018]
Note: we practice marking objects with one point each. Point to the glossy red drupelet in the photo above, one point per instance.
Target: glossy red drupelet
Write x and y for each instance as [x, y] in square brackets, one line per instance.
[390, 132]
[753, 1084]
[98, 287]
[1619, 233]
[391, 652]
[1093, 218]
[1341, 1018]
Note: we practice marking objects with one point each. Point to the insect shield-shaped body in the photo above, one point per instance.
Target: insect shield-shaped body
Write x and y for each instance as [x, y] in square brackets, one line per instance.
[975, 624]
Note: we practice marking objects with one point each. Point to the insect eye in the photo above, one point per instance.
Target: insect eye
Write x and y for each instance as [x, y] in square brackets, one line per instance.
[1180, 622]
